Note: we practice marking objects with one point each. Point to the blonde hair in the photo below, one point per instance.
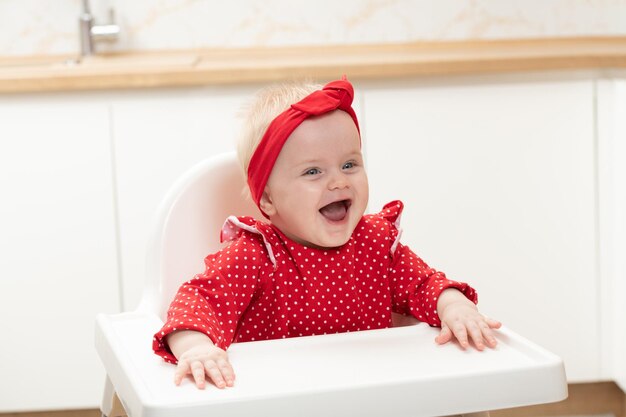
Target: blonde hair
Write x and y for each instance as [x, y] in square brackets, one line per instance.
[267, 104]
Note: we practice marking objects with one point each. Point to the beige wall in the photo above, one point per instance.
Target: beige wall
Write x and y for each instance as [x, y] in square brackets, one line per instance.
[36, 27]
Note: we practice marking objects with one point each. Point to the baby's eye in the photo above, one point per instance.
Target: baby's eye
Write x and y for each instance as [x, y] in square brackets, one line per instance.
[348, 165]
[312, 171]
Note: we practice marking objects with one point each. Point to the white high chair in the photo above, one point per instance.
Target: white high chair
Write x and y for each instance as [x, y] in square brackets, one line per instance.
[368, 373]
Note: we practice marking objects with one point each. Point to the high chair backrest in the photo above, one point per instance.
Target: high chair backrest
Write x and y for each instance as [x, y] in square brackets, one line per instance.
[188, 224]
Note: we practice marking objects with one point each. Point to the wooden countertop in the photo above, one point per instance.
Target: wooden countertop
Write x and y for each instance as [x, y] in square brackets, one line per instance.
[230, 66]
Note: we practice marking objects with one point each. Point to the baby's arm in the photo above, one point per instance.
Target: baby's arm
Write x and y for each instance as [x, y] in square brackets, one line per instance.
[428, 295]
[202, 319]
[198, 356]
[460, 318]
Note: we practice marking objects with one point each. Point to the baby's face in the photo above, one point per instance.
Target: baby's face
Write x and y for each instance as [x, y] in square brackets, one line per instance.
[318, 190]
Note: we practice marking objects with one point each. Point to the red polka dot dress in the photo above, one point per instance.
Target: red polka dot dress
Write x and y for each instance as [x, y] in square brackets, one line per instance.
[263, 285]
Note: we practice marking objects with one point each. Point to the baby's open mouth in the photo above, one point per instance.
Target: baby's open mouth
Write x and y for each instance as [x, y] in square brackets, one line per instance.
[336, 211]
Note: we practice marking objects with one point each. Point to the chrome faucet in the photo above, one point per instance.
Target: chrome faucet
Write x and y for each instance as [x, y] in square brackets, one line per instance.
[90, 33]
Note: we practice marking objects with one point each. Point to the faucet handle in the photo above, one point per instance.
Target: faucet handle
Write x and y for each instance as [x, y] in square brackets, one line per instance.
[107, 32]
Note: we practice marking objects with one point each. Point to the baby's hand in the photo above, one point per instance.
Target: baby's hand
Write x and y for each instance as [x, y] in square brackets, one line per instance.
[461, 319]
[200, 358]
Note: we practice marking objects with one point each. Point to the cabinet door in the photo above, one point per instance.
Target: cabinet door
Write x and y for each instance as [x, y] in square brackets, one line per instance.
[498, 184]
[57, 246]
[611, 99]
[158, 136]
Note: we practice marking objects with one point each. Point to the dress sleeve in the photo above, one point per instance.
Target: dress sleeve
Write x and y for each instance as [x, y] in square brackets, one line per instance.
[415, 287]
[213, 302]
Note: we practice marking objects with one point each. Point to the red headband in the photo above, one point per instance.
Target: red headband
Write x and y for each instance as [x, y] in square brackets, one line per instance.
[335, 95]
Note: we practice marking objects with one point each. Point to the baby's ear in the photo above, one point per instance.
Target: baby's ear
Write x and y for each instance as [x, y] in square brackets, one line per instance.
[266, 204]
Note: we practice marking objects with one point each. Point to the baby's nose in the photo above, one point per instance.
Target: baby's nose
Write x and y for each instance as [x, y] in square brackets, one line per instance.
[338, 181]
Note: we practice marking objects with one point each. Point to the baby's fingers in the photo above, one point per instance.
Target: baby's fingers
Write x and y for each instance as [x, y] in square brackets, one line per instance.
[182, 369]
[460, 332]
[214, 372]
[227, 371]
[488, 334]
[444, 336]
[481, 334]
[493, 324]
[476, 334]
[197, 370]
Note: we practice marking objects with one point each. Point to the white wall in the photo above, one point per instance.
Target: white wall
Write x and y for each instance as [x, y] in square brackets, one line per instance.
[40, 27]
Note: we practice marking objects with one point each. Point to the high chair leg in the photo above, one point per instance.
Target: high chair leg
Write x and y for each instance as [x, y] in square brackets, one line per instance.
[117, 410]
[111, 404]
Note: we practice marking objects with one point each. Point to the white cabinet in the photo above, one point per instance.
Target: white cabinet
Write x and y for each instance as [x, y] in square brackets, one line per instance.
[158, 135]
[57, 250]
[611, 94]
[498, 182]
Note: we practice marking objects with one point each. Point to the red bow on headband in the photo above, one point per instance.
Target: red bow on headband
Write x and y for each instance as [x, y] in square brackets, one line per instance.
[335, 95]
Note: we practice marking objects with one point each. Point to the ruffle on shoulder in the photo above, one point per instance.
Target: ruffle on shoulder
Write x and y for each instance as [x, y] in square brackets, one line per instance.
[392, 212]
[234, 227]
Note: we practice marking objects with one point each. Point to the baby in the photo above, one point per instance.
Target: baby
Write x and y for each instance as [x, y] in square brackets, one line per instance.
[320, 265]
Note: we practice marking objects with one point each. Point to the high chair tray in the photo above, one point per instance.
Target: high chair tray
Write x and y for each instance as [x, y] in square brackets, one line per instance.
[369, 373]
